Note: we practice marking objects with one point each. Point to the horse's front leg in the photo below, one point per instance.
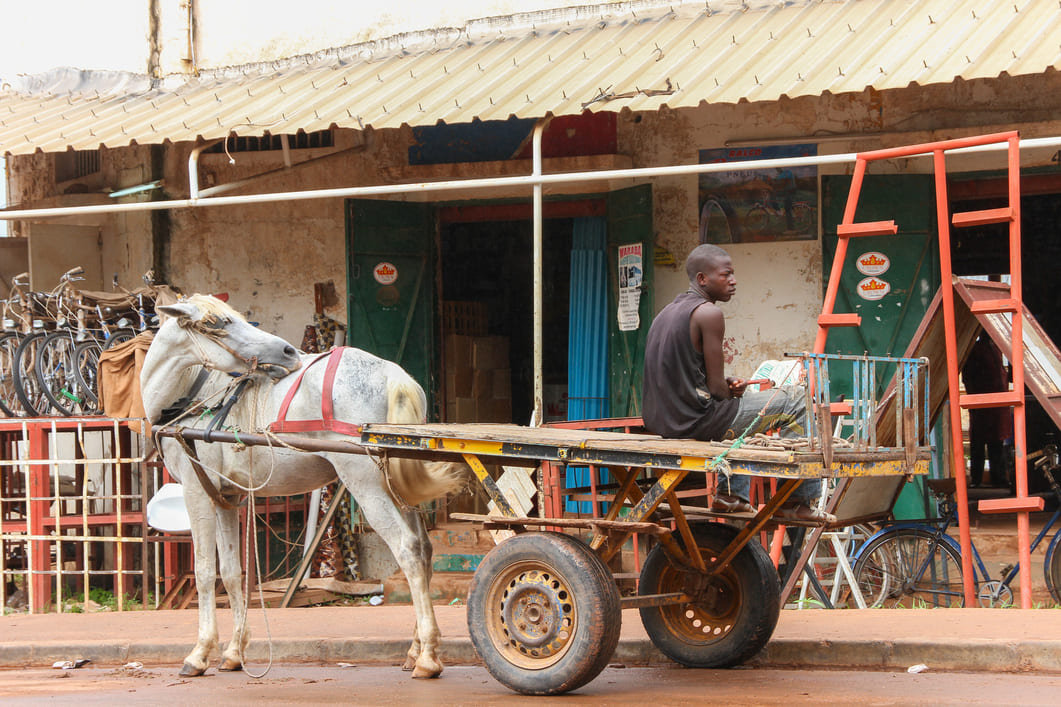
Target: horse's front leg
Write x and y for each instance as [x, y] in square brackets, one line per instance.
[228, 551]
[203, 527]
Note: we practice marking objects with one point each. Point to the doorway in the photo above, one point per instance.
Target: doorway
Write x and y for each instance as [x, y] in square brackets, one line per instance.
[983, 251]
[424, 274]
[487, 287]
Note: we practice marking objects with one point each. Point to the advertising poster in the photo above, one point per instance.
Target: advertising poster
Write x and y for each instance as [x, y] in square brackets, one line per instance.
[758, 205]
[631, 269]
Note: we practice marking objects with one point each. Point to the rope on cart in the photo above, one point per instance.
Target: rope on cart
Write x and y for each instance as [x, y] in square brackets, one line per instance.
[719, 463]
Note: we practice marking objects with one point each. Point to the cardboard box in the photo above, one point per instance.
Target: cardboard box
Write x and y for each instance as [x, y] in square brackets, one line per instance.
[490, 352]
[458, 350]
[502, 383]
[500, 410]
[482, 384]
[466, 410]
[459, 382]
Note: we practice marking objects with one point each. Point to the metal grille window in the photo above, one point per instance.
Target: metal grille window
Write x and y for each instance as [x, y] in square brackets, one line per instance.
[264, 143]
[75, 164]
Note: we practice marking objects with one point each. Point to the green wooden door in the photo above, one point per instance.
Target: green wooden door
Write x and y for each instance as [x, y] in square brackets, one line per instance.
[892, 301]
[391, 284]
[629, 223]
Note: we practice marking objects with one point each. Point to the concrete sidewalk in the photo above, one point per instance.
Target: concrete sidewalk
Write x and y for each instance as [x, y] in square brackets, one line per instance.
[992, 640]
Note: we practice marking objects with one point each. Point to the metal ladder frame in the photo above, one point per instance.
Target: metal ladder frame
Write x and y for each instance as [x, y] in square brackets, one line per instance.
[1022, 504]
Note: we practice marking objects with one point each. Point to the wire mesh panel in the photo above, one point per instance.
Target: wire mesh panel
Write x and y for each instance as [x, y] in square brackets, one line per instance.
[72, 499]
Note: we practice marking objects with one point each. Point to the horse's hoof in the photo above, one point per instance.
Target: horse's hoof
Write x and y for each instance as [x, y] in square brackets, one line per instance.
[190, 671]
[228, 665]
[420, 672]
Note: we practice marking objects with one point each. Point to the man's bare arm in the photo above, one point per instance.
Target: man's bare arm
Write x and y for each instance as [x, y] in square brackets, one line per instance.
[708, 328]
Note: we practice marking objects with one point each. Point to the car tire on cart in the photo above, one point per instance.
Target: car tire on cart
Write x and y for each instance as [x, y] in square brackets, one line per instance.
[732, 615]
[543, 613]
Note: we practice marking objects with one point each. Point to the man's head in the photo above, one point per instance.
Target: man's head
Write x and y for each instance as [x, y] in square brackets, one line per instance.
[710, 271]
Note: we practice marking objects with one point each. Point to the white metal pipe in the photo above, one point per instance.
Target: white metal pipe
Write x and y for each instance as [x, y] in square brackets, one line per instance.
[193, 169]
[472, 184]
[538, 415]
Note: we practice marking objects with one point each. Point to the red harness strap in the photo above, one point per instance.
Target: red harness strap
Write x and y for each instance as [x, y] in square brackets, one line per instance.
[327, 423]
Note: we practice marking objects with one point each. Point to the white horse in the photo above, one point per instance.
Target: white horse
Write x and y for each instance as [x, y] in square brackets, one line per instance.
[202, 332]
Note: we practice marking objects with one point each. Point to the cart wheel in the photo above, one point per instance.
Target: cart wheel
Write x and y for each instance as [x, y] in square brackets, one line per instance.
[543, 613]
[732, 615]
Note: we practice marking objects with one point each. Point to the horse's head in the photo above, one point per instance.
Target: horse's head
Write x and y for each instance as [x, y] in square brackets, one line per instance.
[222, 339]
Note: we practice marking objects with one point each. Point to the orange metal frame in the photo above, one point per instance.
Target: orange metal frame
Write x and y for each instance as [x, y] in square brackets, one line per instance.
[1022, 505]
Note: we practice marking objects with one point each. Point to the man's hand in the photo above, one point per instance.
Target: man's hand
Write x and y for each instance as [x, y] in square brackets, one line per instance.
[737, 387]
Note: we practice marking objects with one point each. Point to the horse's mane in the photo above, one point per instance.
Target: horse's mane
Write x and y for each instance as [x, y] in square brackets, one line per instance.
[212, 307]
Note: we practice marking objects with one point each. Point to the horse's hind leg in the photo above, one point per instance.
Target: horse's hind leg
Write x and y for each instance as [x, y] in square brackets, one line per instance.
[408, 542]
[228, 551]
[416, 521]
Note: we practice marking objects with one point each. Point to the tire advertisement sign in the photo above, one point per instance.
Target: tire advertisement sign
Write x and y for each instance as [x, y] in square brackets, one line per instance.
[749, 205]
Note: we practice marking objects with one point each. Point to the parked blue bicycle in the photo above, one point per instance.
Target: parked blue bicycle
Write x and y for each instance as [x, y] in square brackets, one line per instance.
[916, 564]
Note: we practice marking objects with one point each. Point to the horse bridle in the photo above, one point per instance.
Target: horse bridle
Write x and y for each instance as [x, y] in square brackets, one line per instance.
[212, 328]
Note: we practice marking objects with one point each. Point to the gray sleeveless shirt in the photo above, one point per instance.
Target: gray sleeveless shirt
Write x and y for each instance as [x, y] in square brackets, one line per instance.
[675, 399]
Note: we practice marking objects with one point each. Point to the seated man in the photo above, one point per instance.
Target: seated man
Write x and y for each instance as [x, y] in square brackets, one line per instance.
[687, 394]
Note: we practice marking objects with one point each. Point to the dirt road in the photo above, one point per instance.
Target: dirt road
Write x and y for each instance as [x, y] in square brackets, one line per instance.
[301, 684]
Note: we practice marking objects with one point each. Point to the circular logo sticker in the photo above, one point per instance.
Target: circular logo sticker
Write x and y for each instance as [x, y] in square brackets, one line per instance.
[872, 263]
[385, 273]
[873, 288]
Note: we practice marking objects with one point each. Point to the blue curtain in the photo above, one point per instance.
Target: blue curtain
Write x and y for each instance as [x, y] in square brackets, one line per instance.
[587, 341]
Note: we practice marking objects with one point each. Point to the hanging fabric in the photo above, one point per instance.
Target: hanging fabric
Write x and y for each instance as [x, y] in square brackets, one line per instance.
[587, 345]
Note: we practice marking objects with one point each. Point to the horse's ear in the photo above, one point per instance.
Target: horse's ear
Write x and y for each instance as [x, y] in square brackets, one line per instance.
[178, 310]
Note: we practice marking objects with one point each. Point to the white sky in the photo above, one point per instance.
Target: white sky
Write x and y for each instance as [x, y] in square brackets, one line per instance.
[45, 34]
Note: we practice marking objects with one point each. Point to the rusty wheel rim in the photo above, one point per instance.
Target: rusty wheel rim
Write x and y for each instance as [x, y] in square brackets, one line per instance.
[714, 612]
[532, 616]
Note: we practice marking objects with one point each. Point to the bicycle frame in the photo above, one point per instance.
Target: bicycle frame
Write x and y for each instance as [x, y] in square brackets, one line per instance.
[937, 529]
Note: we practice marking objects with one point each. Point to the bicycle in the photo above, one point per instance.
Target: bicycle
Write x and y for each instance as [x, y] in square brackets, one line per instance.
[915, 564]
[66, 360]
[17, 324]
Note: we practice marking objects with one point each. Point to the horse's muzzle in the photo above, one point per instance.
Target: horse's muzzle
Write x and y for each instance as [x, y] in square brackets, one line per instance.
[276, 370]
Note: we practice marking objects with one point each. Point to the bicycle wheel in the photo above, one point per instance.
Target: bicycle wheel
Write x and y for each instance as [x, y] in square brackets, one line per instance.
[27, 387]
[55, 368]
[892, 571]
[1052, 568]
[86, 365]
[718, 222]
[756, 220]
[118, 336]
[9, 403]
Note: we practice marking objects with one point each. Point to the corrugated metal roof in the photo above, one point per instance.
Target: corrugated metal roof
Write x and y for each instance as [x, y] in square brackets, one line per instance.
[560, 62]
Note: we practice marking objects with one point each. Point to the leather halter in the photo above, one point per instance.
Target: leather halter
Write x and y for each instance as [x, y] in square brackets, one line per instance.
[172, 412]
[327, 423]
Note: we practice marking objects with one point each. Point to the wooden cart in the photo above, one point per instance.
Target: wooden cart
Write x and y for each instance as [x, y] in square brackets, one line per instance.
[544, 610]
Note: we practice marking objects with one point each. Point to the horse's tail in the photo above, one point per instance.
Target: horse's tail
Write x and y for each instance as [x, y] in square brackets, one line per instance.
[412, 480]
